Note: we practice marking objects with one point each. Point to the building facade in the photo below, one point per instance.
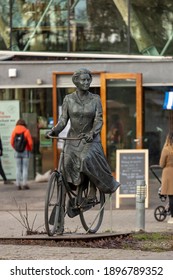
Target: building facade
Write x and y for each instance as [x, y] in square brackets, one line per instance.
[130, 56]
[87, 26]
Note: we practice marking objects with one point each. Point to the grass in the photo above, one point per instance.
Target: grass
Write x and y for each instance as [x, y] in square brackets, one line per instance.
[154, 236]
[155, 241]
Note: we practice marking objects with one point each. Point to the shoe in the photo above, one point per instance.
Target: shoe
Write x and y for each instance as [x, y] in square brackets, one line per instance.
[7, 182]
[117, 185]
[19, 188]
[26, 187]
[170, 221]
[72, 210]
[92, 193]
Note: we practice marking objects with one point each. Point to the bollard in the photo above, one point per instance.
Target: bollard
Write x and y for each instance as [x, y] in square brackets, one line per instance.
[140, 205]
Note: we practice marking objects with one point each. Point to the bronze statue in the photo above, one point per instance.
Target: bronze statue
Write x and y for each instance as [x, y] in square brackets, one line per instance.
[84, 158]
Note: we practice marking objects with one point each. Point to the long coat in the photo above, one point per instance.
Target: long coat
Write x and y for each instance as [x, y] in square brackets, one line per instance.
[166, 162]
[81, 157]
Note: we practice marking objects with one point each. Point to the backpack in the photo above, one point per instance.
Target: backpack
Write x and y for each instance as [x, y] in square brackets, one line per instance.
[20, 142]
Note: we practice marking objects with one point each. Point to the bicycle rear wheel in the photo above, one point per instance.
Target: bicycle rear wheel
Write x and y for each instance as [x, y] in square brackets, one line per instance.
[54, 208]
[91, 212]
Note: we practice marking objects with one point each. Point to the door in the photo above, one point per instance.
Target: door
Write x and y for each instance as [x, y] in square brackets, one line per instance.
[121, 96]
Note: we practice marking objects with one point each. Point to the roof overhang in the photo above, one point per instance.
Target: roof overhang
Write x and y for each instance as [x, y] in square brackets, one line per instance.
[65, 55]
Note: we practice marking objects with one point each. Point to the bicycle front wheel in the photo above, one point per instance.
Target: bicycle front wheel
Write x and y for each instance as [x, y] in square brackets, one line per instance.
[54, 210]
[91, 212]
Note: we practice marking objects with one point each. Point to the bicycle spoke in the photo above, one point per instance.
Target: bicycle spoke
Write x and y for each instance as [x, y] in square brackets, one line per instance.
[101, 209]
[160, 213]
[91, 221]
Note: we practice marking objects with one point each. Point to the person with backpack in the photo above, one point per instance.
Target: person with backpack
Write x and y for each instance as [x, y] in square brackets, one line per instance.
[22, 143]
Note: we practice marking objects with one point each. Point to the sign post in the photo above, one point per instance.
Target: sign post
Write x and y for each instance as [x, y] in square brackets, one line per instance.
[132, 165]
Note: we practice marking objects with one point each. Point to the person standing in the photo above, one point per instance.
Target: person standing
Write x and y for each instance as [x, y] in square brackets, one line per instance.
[2, 173]
[166, 163]
[22, 158]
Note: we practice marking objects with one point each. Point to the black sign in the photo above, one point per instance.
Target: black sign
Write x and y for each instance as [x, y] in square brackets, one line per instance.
[131, 168]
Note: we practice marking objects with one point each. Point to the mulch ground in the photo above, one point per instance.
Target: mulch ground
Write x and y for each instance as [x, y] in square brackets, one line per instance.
[156, 242]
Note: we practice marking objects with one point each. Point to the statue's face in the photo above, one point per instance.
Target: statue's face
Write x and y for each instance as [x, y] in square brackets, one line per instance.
[84, 82]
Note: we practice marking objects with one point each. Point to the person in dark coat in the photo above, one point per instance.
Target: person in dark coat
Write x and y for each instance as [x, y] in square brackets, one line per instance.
[166, 162]
[84, 157]
[2, 173]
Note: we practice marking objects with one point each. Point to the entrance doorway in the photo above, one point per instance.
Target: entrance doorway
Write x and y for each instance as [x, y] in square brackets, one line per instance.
[122, 98]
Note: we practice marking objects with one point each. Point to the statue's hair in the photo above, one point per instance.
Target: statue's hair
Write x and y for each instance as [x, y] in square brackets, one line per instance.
[78, 72]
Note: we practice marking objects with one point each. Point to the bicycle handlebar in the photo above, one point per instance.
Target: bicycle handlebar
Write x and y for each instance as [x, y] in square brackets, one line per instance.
[155, 166]
[65, 138]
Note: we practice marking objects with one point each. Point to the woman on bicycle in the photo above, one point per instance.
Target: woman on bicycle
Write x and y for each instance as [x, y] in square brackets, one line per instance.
[84, 158]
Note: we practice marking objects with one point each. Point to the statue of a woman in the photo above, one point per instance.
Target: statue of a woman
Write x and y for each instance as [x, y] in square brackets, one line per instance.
[84, 158]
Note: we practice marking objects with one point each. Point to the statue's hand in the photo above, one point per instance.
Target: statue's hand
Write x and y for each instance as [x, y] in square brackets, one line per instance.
[50, 133]
[87, 136]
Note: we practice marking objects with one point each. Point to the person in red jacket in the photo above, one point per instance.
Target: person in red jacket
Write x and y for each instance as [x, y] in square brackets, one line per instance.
[22, 158]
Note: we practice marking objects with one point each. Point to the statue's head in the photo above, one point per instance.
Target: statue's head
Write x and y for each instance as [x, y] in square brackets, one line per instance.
[79, 72]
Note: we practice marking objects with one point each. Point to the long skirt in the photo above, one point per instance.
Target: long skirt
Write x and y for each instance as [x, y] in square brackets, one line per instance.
[88, 159]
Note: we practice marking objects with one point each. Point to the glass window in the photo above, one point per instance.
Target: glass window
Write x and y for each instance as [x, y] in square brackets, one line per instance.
[120, 27]
[40, 25]
[36, 110]
[151, 25]
[157, 122]
[4, 25]
[121, 117]
[63, 25]
[102, 28]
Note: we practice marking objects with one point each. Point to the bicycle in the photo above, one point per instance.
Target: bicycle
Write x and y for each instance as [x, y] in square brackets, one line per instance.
[57, 206]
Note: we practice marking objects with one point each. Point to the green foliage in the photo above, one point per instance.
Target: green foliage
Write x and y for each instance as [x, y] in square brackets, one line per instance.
[154, 236]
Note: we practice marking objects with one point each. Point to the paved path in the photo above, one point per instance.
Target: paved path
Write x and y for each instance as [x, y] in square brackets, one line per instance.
[22, 252]
[121, 220]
